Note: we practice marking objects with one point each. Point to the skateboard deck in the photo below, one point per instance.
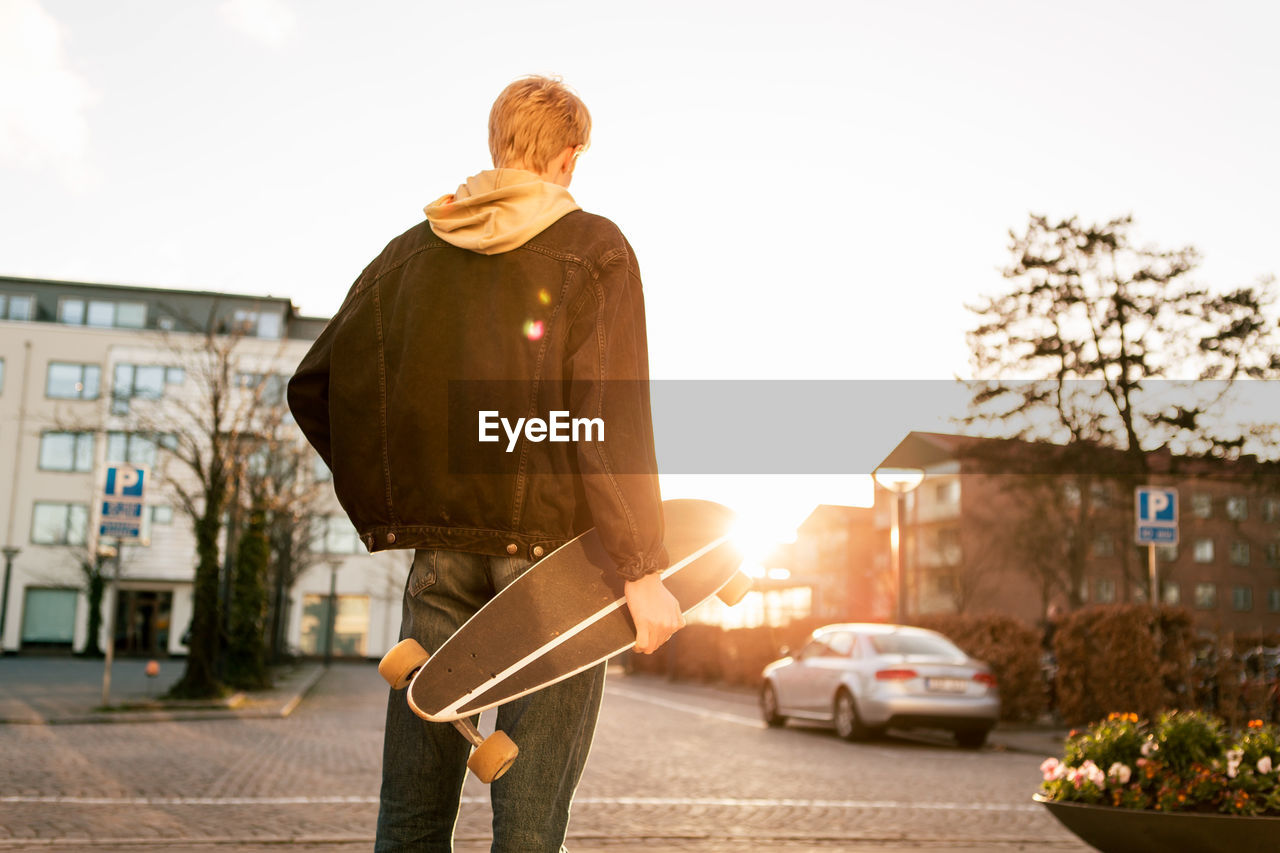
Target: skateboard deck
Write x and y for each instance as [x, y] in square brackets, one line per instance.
[565, 614]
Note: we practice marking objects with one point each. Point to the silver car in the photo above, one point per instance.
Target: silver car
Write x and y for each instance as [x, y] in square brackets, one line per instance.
[866, 678]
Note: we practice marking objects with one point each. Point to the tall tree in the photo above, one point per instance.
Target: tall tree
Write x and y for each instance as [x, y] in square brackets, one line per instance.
[1105, 346]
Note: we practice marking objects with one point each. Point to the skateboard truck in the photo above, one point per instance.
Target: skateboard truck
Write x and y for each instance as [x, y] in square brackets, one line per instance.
[493, 755]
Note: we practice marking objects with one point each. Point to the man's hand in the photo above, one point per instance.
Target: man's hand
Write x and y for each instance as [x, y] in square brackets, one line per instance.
[654, 610]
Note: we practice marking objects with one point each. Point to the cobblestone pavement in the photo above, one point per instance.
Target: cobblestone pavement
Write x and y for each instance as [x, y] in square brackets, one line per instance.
[674, 768]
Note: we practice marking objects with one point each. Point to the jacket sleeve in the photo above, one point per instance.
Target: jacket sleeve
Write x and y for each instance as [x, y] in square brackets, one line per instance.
[308, 394]
[608, 373]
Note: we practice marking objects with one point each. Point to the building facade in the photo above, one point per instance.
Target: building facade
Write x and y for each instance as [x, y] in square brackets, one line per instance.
[983, 536]
[78, 363]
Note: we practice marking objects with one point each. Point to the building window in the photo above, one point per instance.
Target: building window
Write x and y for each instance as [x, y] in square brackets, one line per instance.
[1103, 545]
[1271, 509]
[1100, 495]
[1206, 596]
[1242, 598]
[136, 381]
[1202, 505]
[1273, 554]
[269, 387]
[1204, 550]
[1273, 600]
[66, 451]
[49, 616]
[350, 625]
[17, 307]
[136, 448]
[1237, 508]
[1172, 593]
[333, 534]
[1071, 495]
[72, 381]
[161, 514]
[1167, 553]
[1240, 553]
[1106, 591]
[59, 524]
[257, 324]
[102, 313]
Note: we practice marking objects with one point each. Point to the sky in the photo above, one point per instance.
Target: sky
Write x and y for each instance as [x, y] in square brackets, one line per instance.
[814, 190]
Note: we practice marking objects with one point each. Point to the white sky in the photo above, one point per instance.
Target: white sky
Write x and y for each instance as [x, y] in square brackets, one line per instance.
[814, 189]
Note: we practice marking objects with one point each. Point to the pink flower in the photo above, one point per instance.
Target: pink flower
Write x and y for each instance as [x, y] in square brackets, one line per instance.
[1120, 773]
[1149, 747]
[1053, 769]
[1264, 764]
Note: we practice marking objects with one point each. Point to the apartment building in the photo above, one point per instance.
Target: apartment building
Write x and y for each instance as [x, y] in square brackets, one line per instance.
[979, 535]
[77, 361]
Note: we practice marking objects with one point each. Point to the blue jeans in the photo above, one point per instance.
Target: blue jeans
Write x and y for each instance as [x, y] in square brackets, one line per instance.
[424, 764]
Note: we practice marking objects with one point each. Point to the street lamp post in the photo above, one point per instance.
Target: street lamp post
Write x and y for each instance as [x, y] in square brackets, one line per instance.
[9, 553]
[900, 481]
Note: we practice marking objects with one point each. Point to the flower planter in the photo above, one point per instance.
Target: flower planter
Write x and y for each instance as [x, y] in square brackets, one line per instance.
[1114, 830]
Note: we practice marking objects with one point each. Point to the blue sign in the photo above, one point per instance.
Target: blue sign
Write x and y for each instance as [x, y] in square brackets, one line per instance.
[122, 496]
[1156, 515]
[125, 481]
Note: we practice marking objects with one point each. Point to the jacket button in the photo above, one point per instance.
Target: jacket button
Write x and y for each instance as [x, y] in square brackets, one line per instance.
[512, 548]
[537, 551]
[391, 538]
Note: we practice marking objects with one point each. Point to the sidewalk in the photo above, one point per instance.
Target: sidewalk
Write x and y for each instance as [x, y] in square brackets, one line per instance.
[54, 690]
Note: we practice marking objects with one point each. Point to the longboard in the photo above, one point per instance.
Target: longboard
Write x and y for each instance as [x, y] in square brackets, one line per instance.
[565, 614]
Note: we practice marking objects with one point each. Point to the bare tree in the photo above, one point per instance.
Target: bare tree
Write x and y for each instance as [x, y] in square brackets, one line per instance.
[1116, 354]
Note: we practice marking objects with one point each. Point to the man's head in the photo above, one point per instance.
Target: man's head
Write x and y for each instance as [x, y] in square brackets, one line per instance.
[538, 124]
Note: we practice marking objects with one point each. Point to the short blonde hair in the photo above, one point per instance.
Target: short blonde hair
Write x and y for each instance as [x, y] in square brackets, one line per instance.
[533, 120]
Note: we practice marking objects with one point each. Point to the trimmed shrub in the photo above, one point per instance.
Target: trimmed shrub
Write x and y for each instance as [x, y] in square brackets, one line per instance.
[1010, 648]
[1121, 658]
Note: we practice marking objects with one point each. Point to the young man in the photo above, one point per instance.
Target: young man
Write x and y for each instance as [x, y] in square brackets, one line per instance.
[511, 293]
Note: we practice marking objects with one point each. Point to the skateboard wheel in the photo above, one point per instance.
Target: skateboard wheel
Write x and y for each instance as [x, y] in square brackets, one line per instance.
[398, 665]
[737, 587]
[493, 757]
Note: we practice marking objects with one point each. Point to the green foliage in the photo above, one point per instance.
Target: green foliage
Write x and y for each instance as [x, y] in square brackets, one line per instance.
[246, 657]
[1184, 739]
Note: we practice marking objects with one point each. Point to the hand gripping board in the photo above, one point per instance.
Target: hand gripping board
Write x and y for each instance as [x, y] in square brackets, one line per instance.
[566, 614]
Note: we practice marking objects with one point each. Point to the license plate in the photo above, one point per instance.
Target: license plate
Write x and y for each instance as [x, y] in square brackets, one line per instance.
[946, 685]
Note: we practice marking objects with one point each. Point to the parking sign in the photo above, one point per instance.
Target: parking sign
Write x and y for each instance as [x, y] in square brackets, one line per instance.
[1157, 515]
[123, 491]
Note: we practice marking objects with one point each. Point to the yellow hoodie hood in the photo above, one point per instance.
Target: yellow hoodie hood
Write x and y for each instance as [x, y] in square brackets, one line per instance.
[498, 210]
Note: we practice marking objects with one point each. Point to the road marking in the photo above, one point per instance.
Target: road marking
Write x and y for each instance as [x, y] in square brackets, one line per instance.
[737, 719]
[723, 802]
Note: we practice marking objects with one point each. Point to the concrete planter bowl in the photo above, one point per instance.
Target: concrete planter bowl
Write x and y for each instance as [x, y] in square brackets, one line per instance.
[1113, 830]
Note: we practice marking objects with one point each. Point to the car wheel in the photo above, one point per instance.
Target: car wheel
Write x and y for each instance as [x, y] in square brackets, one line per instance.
[769, 707]
[845, 713]
[972, 738]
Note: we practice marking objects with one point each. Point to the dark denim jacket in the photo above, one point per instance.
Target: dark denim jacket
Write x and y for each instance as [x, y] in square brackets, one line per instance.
[430, 335]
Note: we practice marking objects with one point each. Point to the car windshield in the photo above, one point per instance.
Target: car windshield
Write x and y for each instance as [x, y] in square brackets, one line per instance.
[914, 644]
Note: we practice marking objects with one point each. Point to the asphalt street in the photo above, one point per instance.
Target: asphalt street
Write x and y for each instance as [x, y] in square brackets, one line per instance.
[674, 767]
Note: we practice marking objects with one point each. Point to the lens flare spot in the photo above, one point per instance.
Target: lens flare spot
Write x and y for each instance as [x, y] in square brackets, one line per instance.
[533, 330]
[544, 296]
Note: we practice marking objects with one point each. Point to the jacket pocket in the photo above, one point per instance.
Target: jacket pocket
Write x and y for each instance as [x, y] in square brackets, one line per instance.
[423, 574]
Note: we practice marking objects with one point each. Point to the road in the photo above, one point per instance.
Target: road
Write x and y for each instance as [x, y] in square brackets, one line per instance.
[673, 768]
